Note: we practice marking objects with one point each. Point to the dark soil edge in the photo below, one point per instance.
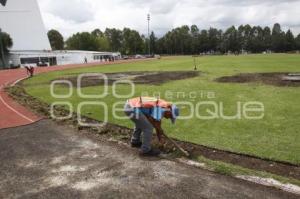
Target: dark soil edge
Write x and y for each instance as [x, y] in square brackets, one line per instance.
[145, 77]
[123, 134]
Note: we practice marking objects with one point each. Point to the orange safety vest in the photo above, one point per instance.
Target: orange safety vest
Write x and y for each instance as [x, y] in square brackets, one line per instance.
[148, 102]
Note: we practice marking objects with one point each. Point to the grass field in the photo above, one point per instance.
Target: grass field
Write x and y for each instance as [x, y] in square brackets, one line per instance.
[276, 136]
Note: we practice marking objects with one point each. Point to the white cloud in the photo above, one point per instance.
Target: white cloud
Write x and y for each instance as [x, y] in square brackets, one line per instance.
[77, 11]
[85, 15]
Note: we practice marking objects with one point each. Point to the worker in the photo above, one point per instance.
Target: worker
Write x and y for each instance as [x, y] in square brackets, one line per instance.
[147, 113]
[30, 70]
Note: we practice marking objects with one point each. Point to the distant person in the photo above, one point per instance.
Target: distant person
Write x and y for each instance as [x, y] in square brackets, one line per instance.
[11, 64]
[30, 70]
[85, 60]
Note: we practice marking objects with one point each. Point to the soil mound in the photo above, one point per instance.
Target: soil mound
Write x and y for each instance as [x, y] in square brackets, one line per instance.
[153, 78]
[275, 79]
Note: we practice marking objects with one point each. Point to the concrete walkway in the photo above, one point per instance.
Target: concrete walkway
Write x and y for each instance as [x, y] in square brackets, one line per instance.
[44, 160]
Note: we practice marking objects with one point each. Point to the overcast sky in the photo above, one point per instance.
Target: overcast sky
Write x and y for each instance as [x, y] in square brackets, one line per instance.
[70, 16]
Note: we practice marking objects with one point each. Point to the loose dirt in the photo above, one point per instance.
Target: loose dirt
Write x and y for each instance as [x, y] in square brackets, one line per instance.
[121, 135]
[154, 78]
[275, 79]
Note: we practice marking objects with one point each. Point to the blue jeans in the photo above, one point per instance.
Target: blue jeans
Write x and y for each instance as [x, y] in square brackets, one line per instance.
[143, 128]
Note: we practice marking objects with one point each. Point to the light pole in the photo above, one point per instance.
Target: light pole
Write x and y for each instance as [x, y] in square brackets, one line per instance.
[149, 48]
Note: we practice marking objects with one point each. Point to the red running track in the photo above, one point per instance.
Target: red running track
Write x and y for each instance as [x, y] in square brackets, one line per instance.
[13, 114]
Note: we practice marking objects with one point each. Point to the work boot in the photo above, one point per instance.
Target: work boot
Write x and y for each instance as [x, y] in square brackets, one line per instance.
[152, 152]
[136, 144]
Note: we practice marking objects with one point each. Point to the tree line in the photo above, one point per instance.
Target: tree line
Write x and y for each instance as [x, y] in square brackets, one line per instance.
[182, 40]
[256, 39]
[127, 41]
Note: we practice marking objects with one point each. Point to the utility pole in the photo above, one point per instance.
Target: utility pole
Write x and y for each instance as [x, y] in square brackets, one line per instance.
[2, 50]
[149, 48]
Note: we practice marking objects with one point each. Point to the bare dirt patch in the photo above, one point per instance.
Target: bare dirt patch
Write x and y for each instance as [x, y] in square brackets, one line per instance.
[275, 79]
[154, 78]
[122, 135]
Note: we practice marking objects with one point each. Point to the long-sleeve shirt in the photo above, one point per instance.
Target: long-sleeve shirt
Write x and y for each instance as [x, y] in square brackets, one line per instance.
[156, 112]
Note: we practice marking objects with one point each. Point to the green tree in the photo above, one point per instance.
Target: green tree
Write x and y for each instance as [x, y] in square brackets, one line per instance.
[267, 38]
[82, 41]
[185, 39]
[115, 38]
[103, 43]
[256, 39]
[297, 41]
[153, 41]
[290, 43]
[6, 43]
[179, 40]
[161, 47]
[241, 37]
[164, 44]
[102, 40]
[195, 41]
[170, 43]
[203, 41]
[231, 41]
[97, 33]
[256, 44]
[132, 42]
[214, 39]
[188, 40]
[245, 34]
[56, 40]
[278, 38]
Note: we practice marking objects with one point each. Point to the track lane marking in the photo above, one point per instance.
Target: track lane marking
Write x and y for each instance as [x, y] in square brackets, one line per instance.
[14, 110]
[11, 108]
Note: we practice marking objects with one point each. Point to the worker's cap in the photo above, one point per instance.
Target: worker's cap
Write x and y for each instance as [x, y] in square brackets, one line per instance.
[175, 113]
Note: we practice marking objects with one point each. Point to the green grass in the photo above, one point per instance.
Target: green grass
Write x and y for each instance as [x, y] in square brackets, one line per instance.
[276, 136]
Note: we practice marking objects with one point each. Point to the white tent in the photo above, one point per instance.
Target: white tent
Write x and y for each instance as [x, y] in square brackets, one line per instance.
[22, 20]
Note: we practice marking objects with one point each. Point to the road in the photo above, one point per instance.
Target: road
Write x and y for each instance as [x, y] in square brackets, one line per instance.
[45, 160]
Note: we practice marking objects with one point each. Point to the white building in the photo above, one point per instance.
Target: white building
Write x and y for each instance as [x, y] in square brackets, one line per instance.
[22, 20]
[50, 58]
